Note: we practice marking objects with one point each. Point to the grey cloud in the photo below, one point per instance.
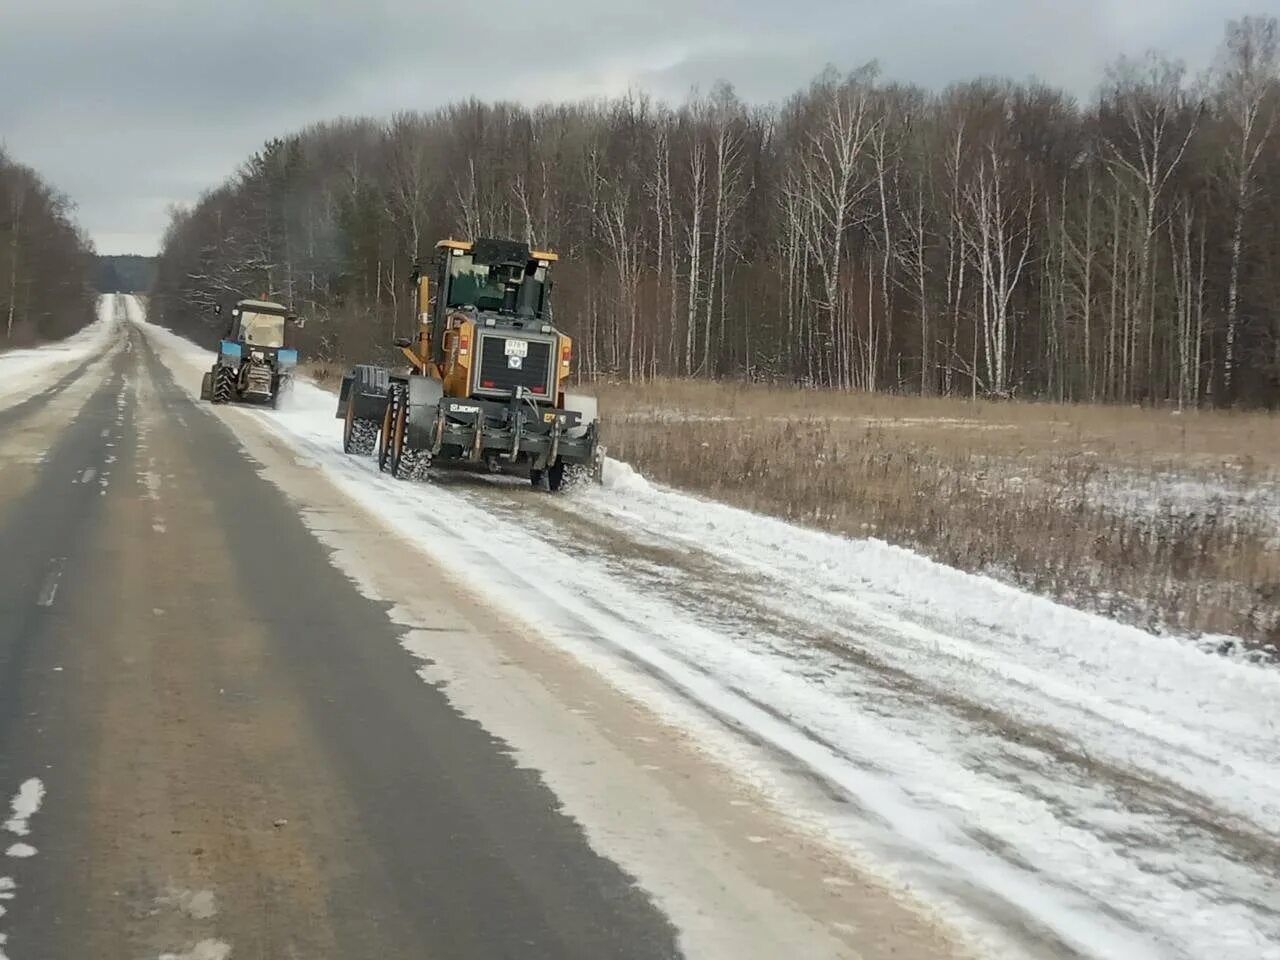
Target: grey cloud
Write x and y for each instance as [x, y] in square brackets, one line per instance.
[132, 105]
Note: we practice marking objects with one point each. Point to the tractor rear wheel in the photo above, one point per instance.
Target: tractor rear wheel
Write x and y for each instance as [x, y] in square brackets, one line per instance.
[224, 385]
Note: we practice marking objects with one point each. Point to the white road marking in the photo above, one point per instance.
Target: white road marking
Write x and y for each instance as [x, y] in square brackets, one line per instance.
[87, 475]
[106, 432]
[21, 851]
[49, 589]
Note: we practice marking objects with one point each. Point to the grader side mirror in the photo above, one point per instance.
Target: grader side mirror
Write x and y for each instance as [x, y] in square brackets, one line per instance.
[402, 341]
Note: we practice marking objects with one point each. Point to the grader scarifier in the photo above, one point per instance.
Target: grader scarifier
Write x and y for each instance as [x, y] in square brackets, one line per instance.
[485, 385]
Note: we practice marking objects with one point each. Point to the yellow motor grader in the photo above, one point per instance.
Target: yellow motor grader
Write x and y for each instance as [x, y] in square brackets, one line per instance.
[485, 384]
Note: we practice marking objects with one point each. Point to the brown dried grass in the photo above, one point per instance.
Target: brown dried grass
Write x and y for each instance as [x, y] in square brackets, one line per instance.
[1016, 490]
[323, 373]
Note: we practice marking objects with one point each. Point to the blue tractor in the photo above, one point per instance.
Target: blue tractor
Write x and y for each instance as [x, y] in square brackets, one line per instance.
[253, 364]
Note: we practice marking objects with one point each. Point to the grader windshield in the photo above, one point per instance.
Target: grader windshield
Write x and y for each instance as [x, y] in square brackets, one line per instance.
[488, 286]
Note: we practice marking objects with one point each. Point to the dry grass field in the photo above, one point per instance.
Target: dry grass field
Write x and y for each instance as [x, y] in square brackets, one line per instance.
[1168, 520]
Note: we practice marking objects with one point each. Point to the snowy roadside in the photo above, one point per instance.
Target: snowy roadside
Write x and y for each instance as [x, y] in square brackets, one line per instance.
[25, 372]
[1060, 783]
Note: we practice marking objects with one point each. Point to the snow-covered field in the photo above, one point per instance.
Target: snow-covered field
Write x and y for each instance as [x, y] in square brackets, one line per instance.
[1254, 501]
[1057, 783]
[24, 372]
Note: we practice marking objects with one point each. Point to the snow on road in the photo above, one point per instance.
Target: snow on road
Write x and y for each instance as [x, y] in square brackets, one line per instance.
[24, 372]
[1060, 784]
[25, 805]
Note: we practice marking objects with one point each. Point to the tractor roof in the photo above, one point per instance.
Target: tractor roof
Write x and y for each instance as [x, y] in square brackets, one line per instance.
[262, 306]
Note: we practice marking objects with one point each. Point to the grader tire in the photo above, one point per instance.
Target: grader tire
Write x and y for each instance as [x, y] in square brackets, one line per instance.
[404, 459]
[364, 437]
[359, 435]
[206, 386]
[388, 429]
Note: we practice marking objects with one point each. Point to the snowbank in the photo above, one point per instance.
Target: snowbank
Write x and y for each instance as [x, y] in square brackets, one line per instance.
[24, 372]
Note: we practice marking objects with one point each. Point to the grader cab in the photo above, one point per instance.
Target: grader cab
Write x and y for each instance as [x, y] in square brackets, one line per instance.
[486, 380]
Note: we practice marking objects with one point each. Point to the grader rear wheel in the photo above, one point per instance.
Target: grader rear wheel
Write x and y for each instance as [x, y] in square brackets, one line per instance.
[388, 425]
[404, 459]
[359, 435]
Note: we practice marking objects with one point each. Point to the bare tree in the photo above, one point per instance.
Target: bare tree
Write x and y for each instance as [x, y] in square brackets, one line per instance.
[995, 236]
[1248, 68]
[1156, 124]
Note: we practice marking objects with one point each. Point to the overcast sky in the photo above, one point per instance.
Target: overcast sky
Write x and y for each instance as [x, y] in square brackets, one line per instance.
[129, 106]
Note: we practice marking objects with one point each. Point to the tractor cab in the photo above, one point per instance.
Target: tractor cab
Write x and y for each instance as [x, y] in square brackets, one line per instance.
[258, 323]
[253, 363]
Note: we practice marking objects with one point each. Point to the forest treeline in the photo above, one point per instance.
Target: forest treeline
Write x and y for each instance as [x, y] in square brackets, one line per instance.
[125, 273]
[46, 262]
[994, 238]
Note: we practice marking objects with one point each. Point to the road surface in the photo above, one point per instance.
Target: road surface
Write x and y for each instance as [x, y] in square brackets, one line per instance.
[218, 746]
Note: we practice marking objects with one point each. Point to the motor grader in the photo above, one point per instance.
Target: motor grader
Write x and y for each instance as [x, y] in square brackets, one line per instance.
[486, 377]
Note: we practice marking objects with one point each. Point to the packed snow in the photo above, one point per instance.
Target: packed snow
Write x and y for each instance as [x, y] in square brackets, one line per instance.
[25, 805]
[1060, 784]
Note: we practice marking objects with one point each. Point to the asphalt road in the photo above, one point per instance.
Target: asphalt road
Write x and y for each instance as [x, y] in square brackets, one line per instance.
[237, 757]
